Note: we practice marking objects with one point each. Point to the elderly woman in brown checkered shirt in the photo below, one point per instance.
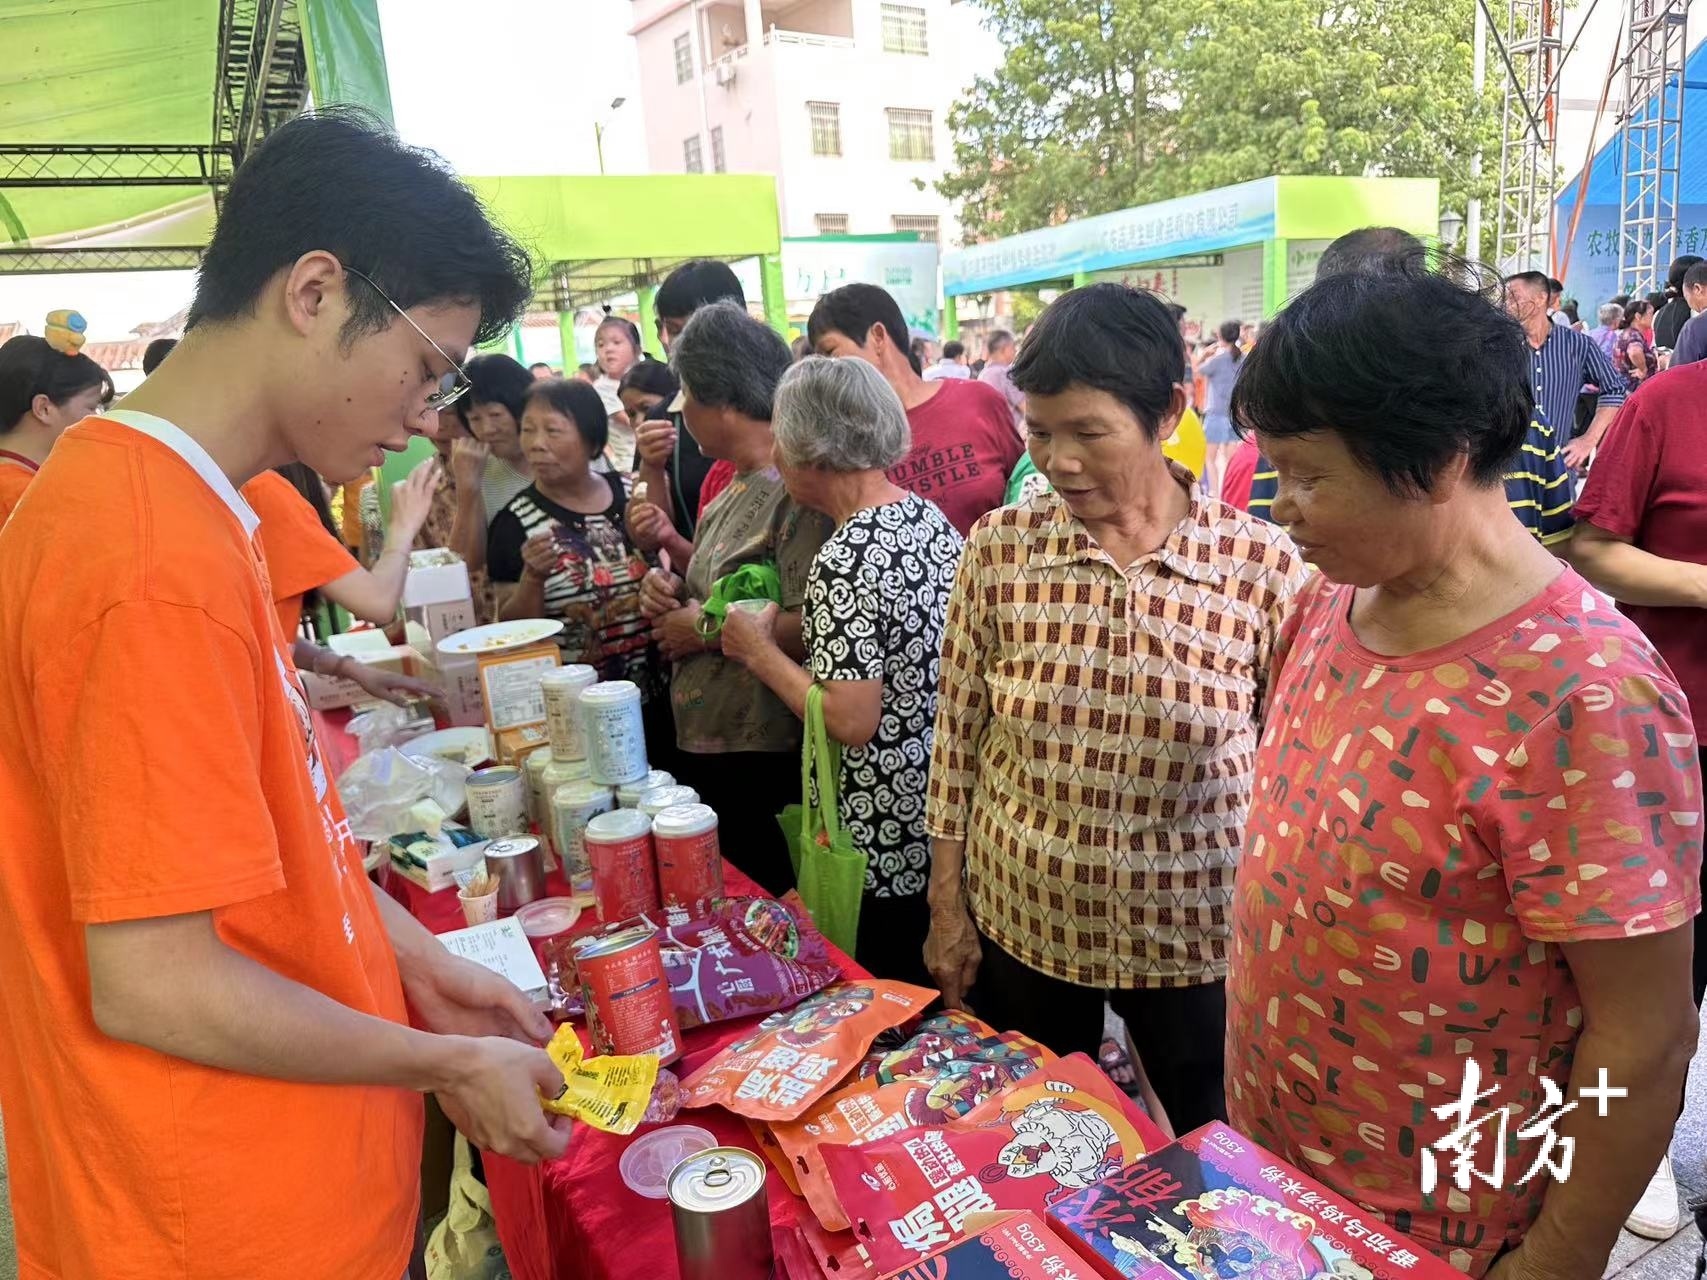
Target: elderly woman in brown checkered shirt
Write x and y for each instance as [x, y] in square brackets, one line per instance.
[1102, 671]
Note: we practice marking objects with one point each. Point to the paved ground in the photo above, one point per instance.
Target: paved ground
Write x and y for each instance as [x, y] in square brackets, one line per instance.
[1633, 1259]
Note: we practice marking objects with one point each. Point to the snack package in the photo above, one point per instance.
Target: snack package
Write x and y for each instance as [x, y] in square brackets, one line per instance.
[933, 1035]
[745, 956]
[795, 1057]
[1019, 1247]
[1046, 1137]
[838, 1254]
[859, 1113]
[609, 1093]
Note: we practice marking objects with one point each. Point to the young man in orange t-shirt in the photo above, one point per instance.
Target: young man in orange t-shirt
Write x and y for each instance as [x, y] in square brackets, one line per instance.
[216, 1032]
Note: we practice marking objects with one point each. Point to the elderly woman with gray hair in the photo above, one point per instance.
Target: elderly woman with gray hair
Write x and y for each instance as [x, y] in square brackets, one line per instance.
[876, 599]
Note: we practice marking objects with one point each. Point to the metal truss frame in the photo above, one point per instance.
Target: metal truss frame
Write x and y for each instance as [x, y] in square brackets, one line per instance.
[1530, 43]
[74, 259]
[1651, 143]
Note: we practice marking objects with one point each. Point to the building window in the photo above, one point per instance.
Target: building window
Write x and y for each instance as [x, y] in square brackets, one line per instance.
[923, 225]
[904, 29]
[684, 58]
[910, 134]
[832, 224]
[693, 160]
[826, 128]
[719, 161]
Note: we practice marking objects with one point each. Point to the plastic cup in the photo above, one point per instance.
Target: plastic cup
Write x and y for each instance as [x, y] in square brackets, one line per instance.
[646, 1165]
[481, 910]
[750, 606]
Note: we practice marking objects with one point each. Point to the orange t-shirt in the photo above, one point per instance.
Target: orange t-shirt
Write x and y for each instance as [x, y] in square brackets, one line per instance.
[157, 757]
[301, 555]
[15, 477]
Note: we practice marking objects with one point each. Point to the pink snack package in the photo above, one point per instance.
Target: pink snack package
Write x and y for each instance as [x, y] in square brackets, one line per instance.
[1049, 1135]
[743, 956]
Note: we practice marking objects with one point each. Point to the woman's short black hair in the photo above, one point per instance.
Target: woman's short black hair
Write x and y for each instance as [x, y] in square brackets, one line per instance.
[1349, 355]
[1636, 307]
[694, 285]
[339, 180]
[31, 367]
[728, 360]
[1106, 337]
[578, 402]
[852, 310]
[653, 377]
[498, 379]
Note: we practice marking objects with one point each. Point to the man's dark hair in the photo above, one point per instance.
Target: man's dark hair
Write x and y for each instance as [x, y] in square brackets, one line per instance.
[339, 181]
[1680, 267]
[578, 402]
[591, 370]
[1106, 337]
[651, 376]
[852, 310]
[498, 379]
[694, 285]
[155, 353]
[728, 360]
[31, 367]
[952, 350]
[537, 365]
[998, 339]
[1368, 249]
[1348, 356]
[1696, 276]
[1536, 280]
[1555, 286]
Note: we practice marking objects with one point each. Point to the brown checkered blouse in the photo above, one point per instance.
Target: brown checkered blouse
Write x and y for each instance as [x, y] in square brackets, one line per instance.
[1095, 735]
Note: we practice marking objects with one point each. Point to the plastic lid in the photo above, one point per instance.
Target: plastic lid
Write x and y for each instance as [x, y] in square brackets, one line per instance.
[497, 774]
[685, 820]
[658, 799]
[547, 917]
[619, 824]
[650, 1158]
[654, 779]
[582, 791]
[576, 673]
[563, 772]
[612, 691]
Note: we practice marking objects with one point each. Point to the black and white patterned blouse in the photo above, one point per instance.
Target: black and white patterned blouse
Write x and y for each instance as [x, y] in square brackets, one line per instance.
[876, 598]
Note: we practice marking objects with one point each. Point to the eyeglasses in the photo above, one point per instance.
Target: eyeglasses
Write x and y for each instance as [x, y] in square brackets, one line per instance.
[454, 385]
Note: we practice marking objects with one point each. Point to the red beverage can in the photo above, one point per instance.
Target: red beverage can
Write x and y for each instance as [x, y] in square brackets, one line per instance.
[628, 995]
[690, 862]
[625, 870]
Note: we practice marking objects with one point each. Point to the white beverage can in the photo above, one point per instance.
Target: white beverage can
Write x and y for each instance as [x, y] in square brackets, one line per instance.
[573, 806]
[615, 735]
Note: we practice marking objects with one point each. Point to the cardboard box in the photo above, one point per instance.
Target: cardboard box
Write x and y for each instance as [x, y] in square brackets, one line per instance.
[1017, 1246]
[513, 746]
[437, 596]
[459, 677]
[1214, 1197]
[328, 692]
[502, 947]
[433, 862]
[509, 685]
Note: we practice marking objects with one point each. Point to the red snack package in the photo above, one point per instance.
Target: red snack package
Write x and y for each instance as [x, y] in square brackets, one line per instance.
[1044, 1138]
[795, 1057]
[838, 1254]
[934, 1034]
[743, 956]
[1019, 1247]
[858, 1113]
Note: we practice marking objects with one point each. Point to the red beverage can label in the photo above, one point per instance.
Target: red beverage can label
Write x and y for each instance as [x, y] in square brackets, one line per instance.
[690, 860]
[625, 870]
[628, 995]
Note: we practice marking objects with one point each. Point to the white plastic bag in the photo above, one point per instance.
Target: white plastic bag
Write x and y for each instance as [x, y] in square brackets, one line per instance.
[380, 788]
[464, 1246]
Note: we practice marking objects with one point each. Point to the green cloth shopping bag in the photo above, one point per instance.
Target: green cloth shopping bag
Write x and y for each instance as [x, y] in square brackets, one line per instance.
[827, 867]
[750, 582]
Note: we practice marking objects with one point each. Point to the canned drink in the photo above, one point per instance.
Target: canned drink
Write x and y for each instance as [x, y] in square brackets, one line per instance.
[722, 1216]
[562, 689]
[627, 994]
[629, 793]
[497, 802]
[690, 863]
[655, 801]
[616, 738]
[533, 768]
[574, 805]
[549, 925]
[519, 864]
[625, 873]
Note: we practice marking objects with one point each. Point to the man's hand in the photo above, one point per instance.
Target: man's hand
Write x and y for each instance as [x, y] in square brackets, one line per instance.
[492, 1097]
[660, 593]
[647, 524]
[468, 460]
[655, 441]
[398, 690]
[953, 952]
[1576, 453]
[676, 633]
[539, 555]
[453, 996]
[745, 635]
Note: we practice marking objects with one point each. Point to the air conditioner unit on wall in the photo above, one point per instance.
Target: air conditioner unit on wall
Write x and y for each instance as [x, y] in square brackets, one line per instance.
[726, 74]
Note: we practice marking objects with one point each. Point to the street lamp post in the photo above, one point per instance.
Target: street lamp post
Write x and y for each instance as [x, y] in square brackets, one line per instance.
[599, 127]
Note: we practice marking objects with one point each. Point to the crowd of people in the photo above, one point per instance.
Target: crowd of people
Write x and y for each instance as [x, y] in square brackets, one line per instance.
[1331, 775]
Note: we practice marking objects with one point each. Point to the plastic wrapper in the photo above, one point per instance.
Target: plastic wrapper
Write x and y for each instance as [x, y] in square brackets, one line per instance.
[931, 1093]
[795, 1057]
[611, 1093]
[1038, 1141]
[387, 725]
[744, 956]
[382, 787]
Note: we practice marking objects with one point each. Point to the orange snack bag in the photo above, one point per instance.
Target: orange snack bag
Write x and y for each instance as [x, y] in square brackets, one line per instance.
[795, 1057]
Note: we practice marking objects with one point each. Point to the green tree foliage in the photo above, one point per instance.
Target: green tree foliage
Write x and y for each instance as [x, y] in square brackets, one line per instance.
[1104, 104]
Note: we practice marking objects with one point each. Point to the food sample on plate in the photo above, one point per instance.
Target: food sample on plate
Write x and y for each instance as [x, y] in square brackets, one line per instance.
[797, 1056]
[1053, 1133]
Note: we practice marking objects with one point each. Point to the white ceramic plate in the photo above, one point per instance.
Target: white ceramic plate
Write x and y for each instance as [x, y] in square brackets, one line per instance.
[468, 745]
[498, 636]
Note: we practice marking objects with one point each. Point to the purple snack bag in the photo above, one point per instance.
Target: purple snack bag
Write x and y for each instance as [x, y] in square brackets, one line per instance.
[745, 956]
